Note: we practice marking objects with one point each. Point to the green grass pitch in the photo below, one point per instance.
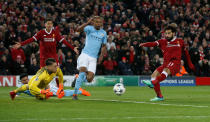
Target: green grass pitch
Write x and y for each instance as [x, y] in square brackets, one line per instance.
[182, 104]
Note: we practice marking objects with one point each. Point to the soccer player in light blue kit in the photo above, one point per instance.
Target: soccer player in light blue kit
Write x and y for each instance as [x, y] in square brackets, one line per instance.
[96, 39]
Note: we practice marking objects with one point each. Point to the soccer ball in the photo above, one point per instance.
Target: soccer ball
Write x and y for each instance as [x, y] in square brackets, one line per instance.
[119, 89]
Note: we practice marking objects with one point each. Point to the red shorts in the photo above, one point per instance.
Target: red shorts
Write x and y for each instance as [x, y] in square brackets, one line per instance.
[42, 62]
[173, 66]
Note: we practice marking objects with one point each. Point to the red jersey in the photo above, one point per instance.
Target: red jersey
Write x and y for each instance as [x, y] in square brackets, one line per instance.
[172, 50]
[48, 43]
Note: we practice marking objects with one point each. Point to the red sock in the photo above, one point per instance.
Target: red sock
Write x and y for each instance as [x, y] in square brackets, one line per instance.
[157, 90]
[159, 78]
[57, 82]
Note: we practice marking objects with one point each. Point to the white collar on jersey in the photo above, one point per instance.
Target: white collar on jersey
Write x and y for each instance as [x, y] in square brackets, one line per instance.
[173, 39]
[50, 30]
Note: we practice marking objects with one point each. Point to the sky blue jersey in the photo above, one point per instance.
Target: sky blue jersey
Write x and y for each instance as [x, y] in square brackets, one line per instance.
[94, 40]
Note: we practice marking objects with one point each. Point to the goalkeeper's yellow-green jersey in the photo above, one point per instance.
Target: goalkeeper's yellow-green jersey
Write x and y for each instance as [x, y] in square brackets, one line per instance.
[42, 79]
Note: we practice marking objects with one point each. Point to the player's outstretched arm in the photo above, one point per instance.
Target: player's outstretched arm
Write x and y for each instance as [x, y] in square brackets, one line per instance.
[36, 37]
[81, 28]
[60, 39]
[70, 46]
[18, 44]
[148, 44]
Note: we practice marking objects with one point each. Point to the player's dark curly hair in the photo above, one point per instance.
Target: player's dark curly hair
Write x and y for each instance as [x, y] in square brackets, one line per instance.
[48, 19]
[23, 75]
[50, 61]
[171, 27]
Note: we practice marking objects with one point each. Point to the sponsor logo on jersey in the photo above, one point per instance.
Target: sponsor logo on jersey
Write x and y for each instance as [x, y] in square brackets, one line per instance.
[173, 45]
[49, 39]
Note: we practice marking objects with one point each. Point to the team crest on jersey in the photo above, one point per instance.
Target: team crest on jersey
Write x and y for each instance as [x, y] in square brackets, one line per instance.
[177, 42]
[37, 78]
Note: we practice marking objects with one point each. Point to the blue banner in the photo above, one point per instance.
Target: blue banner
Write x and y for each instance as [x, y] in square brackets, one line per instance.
[172, 81]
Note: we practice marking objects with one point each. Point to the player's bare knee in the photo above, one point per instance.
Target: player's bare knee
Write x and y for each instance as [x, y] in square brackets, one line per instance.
[155, 74]
[90, 79]
[82, 69]
[90, 76]
[167, 70]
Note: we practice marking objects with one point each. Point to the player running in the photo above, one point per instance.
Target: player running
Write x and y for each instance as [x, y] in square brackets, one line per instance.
[39, 82]
[86, 63]
[172, 48]
[48, 39]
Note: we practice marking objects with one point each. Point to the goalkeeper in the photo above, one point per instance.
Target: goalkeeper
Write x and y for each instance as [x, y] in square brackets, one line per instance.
[40, 81]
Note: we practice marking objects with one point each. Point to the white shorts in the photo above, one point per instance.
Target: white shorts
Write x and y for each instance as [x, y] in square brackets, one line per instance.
[85, 60]
[53, 87]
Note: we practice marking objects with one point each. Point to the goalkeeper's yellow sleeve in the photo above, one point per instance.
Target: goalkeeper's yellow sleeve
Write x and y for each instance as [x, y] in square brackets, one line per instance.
[22, 88]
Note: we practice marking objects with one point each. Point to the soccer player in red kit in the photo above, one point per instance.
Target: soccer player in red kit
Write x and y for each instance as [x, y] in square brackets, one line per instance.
[172, 49]
[48, 39]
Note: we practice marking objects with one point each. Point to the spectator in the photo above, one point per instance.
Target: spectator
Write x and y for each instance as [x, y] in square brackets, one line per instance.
[132, 55]
[182, 70]
[155, 62]
[109, 66]
[110, 44]
[150, 37]
[18, 55]
[147, 67]
[4, 66]
[124, 67]
[113, 53]
[34, 67]
[69, 65]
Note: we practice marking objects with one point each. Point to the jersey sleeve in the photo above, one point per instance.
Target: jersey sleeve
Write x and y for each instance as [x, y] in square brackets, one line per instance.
[159, 42]
[104, 41]
[59, 73]
[87, 29]
[37, 36]
[58, 37]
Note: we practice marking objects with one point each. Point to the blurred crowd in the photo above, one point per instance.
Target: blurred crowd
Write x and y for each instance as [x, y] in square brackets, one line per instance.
[127, 23]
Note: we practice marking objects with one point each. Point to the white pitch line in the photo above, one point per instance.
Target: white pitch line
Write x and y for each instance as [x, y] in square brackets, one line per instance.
[181, 105]
[138, 102]
[106, 118]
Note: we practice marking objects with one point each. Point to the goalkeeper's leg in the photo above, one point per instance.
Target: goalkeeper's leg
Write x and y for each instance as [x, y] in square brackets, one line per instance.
[40, 93]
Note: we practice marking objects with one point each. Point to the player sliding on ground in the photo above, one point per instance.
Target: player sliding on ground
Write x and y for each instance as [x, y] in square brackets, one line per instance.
[39, 82]
[172, 48]
[52, 88]
[86, 63]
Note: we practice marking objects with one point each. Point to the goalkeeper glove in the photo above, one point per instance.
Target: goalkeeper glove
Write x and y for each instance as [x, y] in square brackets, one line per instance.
[60, 92]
